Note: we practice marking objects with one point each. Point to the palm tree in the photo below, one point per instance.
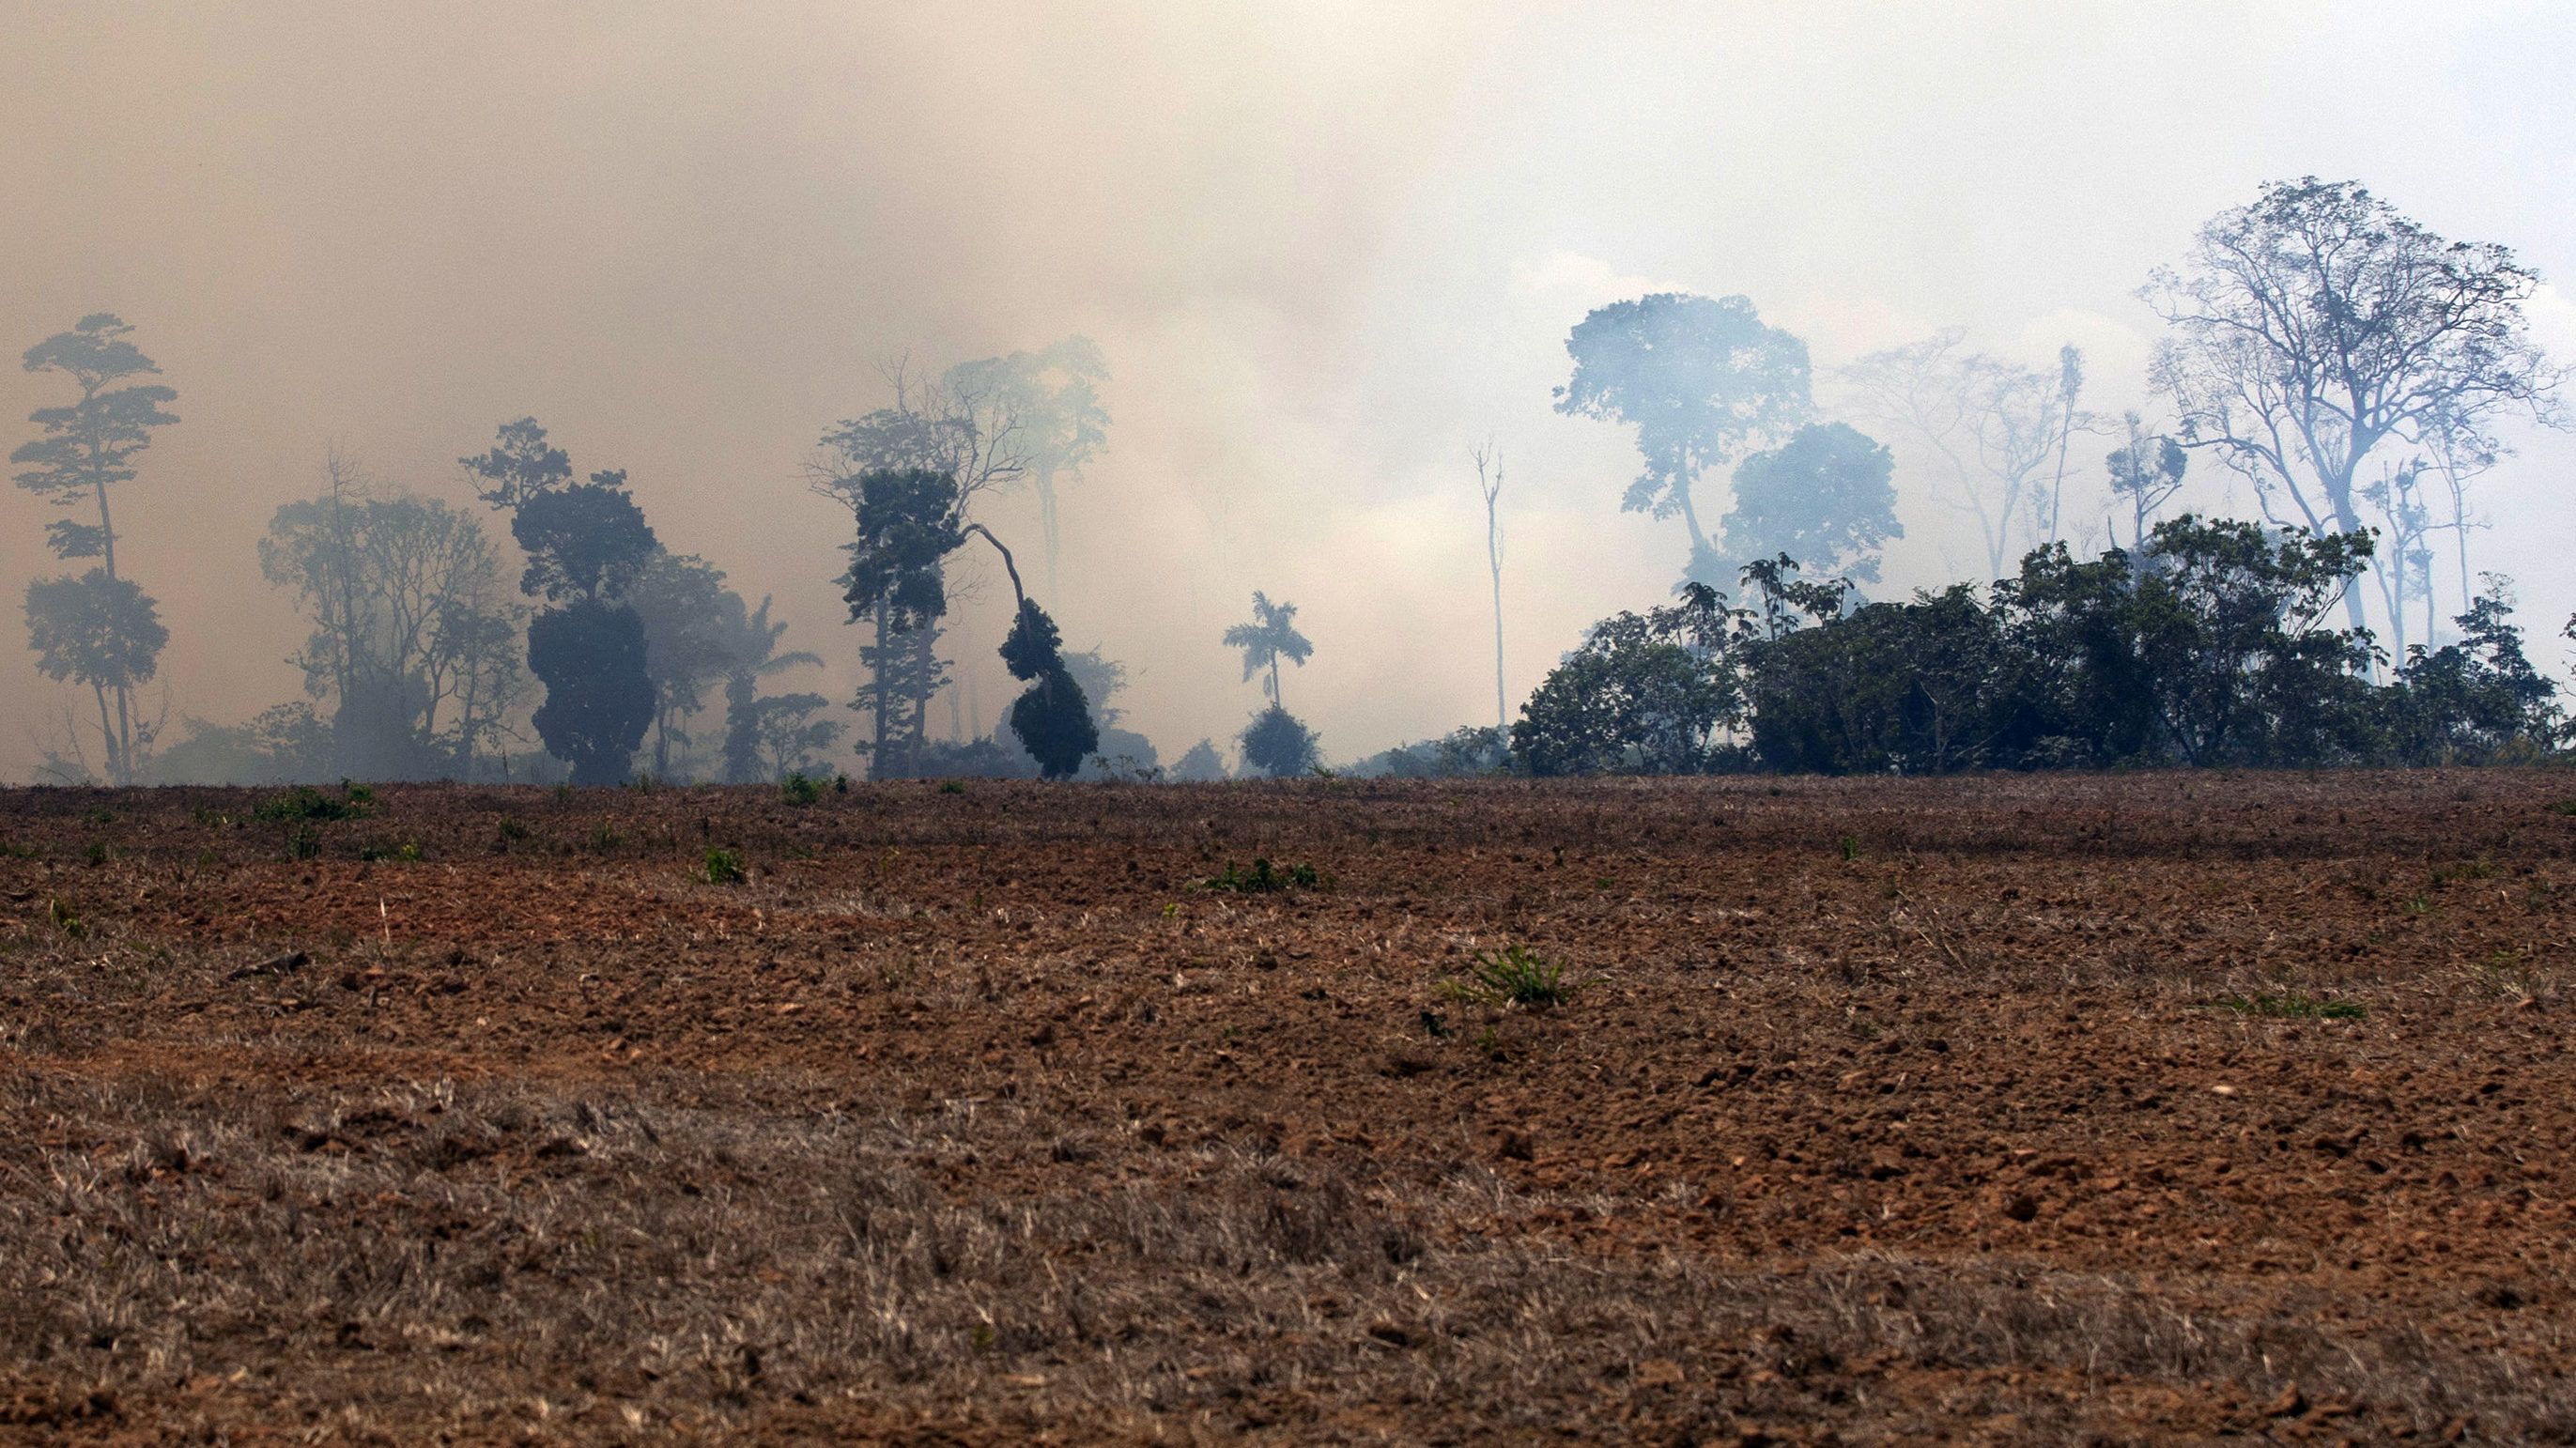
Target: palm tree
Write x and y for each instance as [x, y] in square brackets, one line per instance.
[752, 656]
[1271, 636]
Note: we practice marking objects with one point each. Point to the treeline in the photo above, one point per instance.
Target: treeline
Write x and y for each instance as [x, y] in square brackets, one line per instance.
[2209, 645]
[2353, 367]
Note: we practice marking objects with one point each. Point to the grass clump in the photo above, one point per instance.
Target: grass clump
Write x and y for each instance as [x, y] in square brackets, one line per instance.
[800, 788]
[1263, 878]
[304, 802]
[512, 831]
[2292, 1006]
[65, 917]
[303, 844]
[724, 867]
[1514, 976]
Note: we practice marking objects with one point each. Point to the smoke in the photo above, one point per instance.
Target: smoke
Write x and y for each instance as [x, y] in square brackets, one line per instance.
[1325, 248]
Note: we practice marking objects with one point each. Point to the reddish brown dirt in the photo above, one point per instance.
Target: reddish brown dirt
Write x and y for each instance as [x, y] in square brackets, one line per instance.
[2168, 1106]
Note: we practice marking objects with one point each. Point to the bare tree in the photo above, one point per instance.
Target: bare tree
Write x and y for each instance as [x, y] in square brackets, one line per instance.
[1490, 485]
[1991, 428]
[2317, 324]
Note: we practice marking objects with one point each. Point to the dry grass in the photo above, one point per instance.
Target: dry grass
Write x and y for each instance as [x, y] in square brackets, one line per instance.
[491, 1260]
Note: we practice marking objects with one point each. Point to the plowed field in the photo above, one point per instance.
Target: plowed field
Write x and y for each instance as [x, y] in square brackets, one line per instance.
[2161, 1106]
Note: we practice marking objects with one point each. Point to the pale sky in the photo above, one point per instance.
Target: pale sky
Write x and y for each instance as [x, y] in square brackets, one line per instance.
[1326, 247]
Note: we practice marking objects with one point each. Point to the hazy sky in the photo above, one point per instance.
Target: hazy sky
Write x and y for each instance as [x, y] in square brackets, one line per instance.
[1325, 247]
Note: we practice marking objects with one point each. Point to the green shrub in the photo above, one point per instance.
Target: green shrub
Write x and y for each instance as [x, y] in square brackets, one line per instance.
[304, 802]
[800, 788]
[1264, 878]
[724, 867]
[1515, 975]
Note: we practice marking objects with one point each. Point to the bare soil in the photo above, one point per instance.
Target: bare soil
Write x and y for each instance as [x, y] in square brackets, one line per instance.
[2031, 1109]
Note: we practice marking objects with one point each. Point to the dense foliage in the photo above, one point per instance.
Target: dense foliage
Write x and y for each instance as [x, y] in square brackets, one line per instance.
[2208, 647]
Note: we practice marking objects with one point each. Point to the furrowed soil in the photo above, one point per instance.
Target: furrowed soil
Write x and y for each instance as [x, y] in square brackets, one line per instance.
[2034, 1109]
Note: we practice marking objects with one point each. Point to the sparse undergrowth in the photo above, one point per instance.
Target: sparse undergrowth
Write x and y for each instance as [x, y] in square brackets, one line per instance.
[2020, 1127]
[2293, 1006]
[1514, 976]
[1263, 878]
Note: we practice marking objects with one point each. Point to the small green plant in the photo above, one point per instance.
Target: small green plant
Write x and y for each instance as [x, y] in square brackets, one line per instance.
[66, 919]
[408, 853]
[2470, 870]
[303, 844]
[1263, 878]
[840, 782]
[99, 815]
[19, 852]
[2564, 807]
[98, 853]
[643, 783]
[304, 802]
[724, 867]
[512, 831]
[2292, 1006]
[952, 786]
[564, 792]
[1850, 847]
[800, 788]
[605, 838]
[1514, 975]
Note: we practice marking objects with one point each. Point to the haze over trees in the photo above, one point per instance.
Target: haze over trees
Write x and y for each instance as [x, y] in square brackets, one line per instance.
[2359, 373]
[1999, 433]
[415, 645]
[2316, 326]
[97, 629]
[1700, 380]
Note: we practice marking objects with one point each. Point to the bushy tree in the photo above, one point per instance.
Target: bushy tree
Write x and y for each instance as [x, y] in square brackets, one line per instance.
[1050, 717]
[587, 541]
[590, 655]
[1700, 379]
[1199, 764]
[1824, 497]
[1280, 745]
[110, 636]
[519, 467]
[587, 545]
[1644, 694]
[107, 634]
[2475, 700]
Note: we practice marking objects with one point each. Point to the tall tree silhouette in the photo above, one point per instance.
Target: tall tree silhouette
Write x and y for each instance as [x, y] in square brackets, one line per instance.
[97, 627]
[1270, 636]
